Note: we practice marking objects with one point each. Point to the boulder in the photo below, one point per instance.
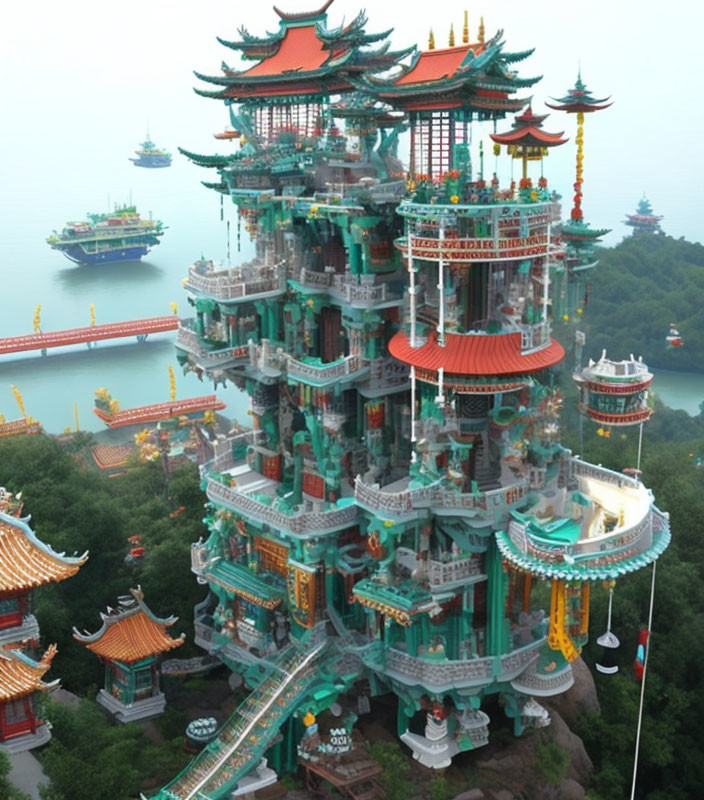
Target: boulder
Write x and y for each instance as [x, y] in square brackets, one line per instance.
[580, 699]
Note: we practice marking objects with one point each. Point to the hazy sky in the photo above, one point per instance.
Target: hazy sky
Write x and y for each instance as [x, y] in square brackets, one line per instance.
[80, 78]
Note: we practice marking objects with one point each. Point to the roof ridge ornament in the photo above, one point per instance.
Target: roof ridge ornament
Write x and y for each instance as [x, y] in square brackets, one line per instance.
[295, 16]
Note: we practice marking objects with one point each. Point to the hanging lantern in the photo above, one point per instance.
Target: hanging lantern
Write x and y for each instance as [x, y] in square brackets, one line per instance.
[609, 641]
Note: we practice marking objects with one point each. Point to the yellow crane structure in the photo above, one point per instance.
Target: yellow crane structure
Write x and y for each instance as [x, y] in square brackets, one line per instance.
[172, 383]
[37, 319]
[19, 400]
[559, 636]
[92, 314]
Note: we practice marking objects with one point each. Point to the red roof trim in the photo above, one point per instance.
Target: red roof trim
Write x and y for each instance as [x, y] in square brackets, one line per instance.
[527, 135]
[282, 89]
[476, 354]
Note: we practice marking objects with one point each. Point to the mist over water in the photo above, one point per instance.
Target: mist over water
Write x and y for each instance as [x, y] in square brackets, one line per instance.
[81, 81]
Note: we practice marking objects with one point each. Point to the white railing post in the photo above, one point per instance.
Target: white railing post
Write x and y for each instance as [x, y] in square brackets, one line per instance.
[411, 287]
[441, 287]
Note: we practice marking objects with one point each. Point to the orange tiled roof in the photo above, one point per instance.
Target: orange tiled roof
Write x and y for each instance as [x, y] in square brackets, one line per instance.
[130, 633]
[26, 562]
[21, 675]
[111, 456]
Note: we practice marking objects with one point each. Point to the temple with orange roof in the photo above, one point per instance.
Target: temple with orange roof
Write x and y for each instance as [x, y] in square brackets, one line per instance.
[26, 563]
[129, 643]
[20, 684]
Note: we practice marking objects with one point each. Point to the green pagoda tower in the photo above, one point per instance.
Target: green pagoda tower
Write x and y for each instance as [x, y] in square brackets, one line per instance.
[644, 221]
[381, 528]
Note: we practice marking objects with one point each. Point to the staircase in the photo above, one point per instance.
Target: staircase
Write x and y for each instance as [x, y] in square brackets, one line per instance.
[243, 739]
[486, 474]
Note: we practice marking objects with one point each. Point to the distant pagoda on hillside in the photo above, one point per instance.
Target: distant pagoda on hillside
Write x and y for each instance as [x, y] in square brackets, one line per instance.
[129, 643]
[26, 563]
[382, 527]
[644, 221]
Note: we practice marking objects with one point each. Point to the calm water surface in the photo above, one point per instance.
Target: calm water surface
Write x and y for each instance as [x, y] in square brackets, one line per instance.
[134, 373]
[683, 390]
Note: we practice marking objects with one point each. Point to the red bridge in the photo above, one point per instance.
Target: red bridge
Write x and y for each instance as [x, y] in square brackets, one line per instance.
[159, 411]
[93, 333]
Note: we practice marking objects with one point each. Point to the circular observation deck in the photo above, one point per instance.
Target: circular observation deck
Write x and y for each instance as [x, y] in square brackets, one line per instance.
[466, 233]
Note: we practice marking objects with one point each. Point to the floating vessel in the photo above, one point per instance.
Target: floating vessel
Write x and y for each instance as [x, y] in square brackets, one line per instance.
[150, 156]
[228, 133]
[120, 236]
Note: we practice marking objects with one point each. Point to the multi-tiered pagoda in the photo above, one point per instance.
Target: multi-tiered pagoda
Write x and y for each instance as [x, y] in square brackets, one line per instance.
[644, 221]
[381, 527]
[26, 563]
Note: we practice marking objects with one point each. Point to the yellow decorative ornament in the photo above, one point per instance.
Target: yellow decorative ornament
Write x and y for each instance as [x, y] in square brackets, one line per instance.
[566, 317]
[497, 149]
[388, 523]
[308, 719]
[580, 311]
[534, 195]
[454, 198]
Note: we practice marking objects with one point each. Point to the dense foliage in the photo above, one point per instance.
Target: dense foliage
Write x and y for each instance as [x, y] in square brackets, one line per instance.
[74, 509]
[641, 287]
[91, 757]
[622, 316]
[670, 762]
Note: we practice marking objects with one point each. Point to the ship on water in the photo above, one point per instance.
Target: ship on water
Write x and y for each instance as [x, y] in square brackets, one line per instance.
[118, 236]
[150, 156]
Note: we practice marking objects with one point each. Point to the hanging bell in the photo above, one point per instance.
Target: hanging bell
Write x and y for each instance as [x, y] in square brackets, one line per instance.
[609, 641]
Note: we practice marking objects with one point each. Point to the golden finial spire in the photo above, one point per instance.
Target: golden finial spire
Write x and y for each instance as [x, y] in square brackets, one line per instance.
[480, 38]
[465, 29]
[431, 40]
[172, 383]
[451, 40]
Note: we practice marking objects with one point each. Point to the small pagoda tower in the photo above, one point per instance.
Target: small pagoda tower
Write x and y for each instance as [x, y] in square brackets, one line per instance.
[129, 643]
[571, 291]
[25, 564]
[644, 221]
[528, 141]
[615, 392]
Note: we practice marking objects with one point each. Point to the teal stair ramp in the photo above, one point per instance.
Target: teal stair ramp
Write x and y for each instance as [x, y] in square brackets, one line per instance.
[245, 737]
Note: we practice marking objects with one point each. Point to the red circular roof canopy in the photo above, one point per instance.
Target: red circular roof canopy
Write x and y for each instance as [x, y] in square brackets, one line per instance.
[476, 354]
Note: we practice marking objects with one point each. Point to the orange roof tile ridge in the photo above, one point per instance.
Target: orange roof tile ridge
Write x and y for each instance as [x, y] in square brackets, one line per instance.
[23, 524]
[128, 607]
